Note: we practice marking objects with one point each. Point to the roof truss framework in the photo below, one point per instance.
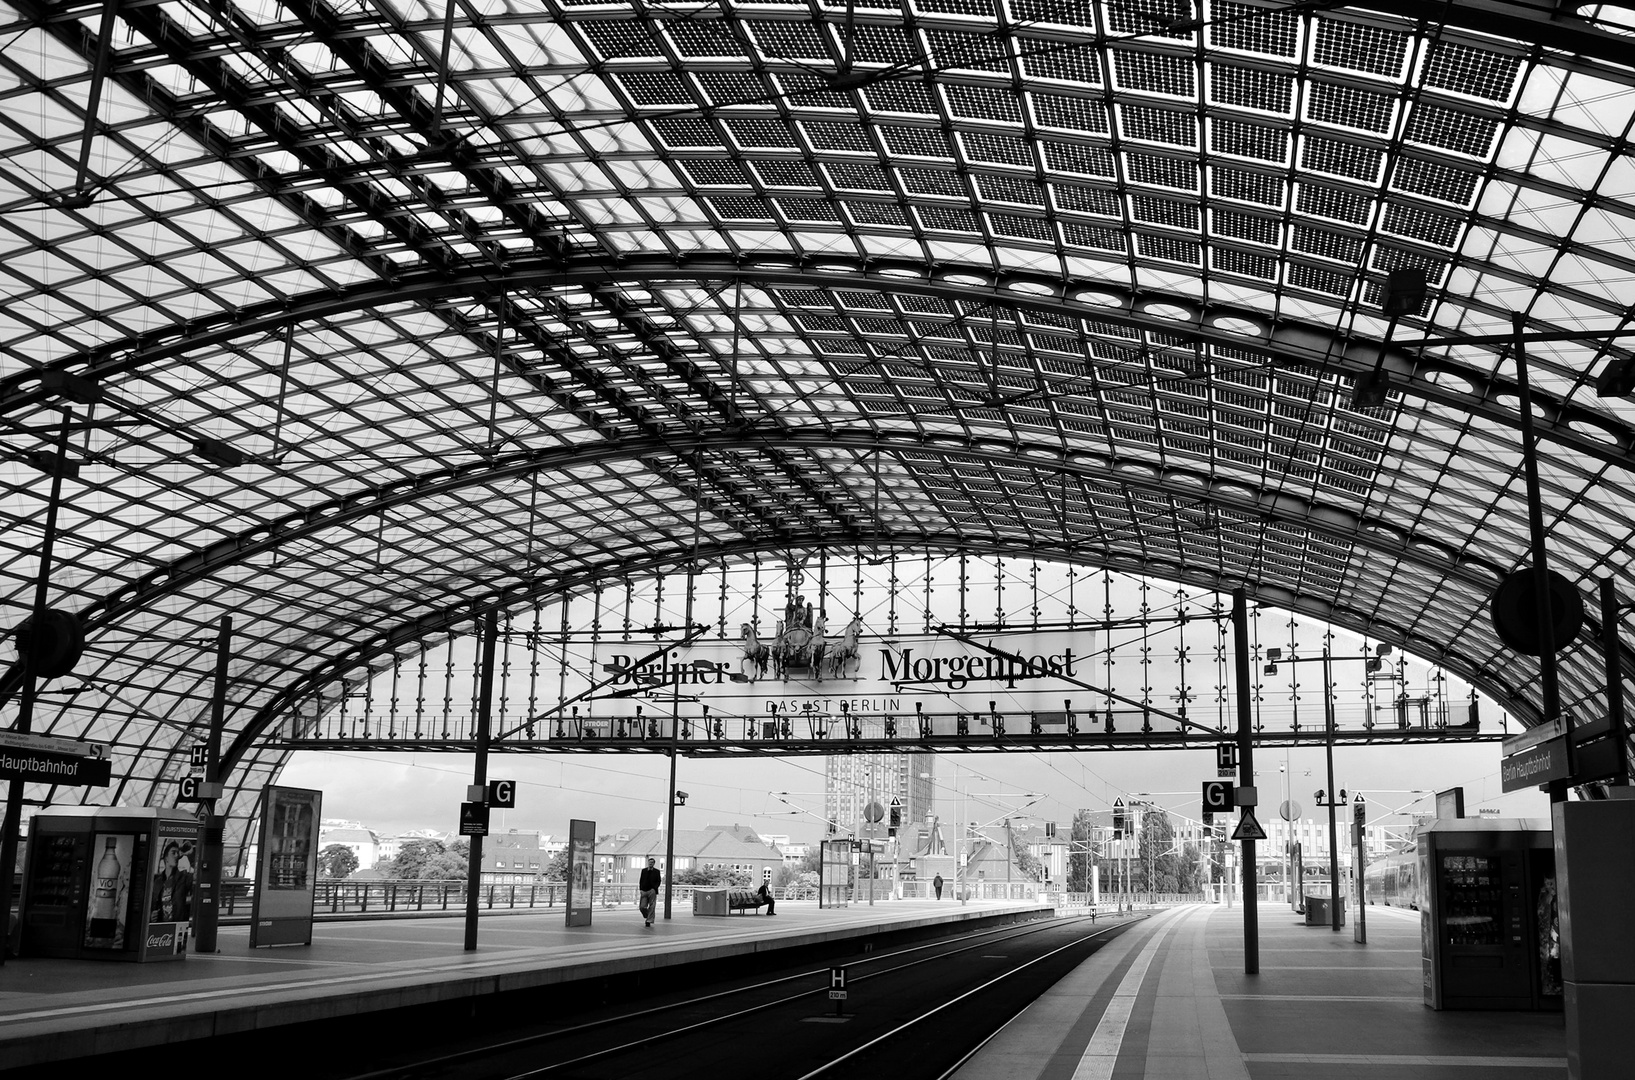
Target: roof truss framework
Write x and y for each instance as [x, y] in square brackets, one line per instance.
[1091, 281]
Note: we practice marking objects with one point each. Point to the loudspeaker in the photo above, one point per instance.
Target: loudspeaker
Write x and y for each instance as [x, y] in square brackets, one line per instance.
[1515, 612]
[57, 647]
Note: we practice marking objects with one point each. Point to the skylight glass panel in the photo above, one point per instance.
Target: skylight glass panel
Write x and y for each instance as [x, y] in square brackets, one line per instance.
[1449, 129]
[1043, 59]
[1245, 28]
[1359, 47]
[1470, 71]
[1155, 73]
[1068, 113]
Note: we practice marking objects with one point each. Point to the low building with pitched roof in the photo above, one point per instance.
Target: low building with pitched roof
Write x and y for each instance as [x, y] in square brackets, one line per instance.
[695, 849]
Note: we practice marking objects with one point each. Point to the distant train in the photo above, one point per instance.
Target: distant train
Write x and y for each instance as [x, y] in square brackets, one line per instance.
[1393, 880]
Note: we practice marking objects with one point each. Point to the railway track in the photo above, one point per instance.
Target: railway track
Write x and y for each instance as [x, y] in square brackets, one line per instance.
[916, 1011]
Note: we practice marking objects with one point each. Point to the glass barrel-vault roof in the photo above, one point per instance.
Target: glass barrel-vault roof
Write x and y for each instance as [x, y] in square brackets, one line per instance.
[498, 299]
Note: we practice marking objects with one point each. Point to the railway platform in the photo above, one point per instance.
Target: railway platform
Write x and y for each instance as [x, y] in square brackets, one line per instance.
[55, 1010]
[1169, 1000]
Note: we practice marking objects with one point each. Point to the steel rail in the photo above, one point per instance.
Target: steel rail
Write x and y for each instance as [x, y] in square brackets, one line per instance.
[764, 1006]
[987, 937]
[900, 1028]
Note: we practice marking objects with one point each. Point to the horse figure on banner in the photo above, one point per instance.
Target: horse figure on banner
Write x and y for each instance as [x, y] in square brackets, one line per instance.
[818, 646]
[757, 654]
[845, 649]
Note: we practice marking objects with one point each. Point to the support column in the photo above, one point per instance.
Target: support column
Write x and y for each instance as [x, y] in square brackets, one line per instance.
[207, 912]
[1246, 778]
[12, 822]
[1334, 895]
[1617, 727]
[479, 772]
[1549, 685]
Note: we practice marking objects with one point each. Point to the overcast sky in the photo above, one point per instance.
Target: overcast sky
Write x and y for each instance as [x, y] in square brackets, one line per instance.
[396, 792]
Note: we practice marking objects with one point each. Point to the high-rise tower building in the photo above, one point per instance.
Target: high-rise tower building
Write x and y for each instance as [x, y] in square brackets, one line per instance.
[852, 780]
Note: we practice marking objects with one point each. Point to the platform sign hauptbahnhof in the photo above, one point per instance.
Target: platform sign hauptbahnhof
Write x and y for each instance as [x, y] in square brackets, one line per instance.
[44, 759]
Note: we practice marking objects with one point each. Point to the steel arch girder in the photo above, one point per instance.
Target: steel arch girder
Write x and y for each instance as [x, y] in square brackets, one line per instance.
[1272, 505]
[394, 639]
[1336, 523]
[1290, 341]
[1328, 521]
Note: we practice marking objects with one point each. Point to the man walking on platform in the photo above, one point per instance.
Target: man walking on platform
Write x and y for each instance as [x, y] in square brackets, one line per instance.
[649, 886]
[936, 883]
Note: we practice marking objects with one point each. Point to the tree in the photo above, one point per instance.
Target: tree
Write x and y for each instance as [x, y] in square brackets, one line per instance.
[451, 864]
[1081, 854]
[432, 860]
[700, 875]
[556, 868]
[1190, 875]
[413, 856]
[337, 861]
[1158, 863]
[1028, 863]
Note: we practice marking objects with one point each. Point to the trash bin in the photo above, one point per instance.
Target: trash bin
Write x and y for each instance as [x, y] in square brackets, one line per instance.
[1317, 911]
[710, 901]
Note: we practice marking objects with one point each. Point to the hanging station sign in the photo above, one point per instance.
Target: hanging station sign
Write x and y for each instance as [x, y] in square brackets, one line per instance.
[46, 759]
[1013, 674]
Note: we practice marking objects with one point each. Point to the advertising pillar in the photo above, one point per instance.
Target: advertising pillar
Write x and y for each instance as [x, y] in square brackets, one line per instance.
[286, 878]
[581, 856]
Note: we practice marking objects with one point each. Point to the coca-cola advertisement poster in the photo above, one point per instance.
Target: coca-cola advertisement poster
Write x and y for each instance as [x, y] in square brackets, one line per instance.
[108, 900]
[170, 892]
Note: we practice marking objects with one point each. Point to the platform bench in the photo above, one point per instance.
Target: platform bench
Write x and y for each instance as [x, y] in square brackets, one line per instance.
[751, 900]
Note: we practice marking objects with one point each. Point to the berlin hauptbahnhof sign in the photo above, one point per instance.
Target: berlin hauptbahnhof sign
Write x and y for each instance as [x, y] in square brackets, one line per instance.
[42, 759]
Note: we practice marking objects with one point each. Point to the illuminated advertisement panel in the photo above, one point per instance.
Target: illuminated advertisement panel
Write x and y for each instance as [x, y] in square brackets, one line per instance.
[287, 867]
[581, 856]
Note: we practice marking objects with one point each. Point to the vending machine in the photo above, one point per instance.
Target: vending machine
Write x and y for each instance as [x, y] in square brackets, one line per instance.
[109, 883]
[1489, 931]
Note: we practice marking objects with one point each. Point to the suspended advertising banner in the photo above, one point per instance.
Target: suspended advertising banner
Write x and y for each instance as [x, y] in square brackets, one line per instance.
[1017, 675]
[287, 867]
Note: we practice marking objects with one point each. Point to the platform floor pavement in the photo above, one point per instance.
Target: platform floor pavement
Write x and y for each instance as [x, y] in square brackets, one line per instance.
[358, 967]
[1169, 1001]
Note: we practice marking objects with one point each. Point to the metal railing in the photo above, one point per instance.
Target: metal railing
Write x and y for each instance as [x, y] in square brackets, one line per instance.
[386, 897]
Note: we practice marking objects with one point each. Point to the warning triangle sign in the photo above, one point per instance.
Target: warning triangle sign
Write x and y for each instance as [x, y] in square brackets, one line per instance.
[1248, 826]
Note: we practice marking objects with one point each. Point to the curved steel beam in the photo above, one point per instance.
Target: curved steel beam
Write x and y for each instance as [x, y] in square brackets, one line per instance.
[500, 596]
[1285, 341]
[1271, 505]
[1555, 25]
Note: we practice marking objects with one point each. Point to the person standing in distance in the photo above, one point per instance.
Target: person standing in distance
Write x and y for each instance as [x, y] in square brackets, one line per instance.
[936, 883]
[649, 886]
